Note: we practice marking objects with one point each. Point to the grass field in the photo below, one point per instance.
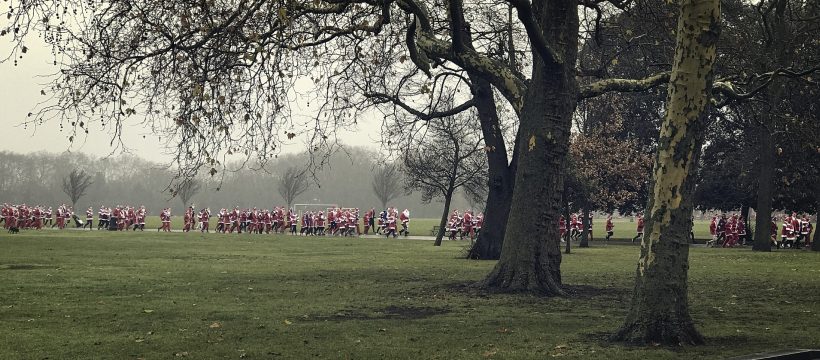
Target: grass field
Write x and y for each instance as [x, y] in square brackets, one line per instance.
[624, 229]
[101, 295]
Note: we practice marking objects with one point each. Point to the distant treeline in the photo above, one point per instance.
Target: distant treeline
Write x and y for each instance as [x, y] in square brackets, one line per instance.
[346, 179]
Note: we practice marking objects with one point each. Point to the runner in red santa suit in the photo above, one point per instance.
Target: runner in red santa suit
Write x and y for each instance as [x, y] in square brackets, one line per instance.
[4, 211]
[609, 227]
[806, 230]
[731, 232]
[467, 225]
[786, 232]
[89, 218]
[404, 217]
[773, 234]
[479, 223]
[741, 231]
[391, 224]
[142, 213]
[639, 228]
[368, 215]
[713, 228]
[454, 224]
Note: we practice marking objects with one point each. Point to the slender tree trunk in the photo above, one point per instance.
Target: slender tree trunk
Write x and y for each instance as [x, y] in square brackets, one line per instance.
[531, 256]
[567, 240]
[765, 189]
[442, 225]
[501, 175]
[815, 243]
[585, 230]
[744, 212]
[659, 311]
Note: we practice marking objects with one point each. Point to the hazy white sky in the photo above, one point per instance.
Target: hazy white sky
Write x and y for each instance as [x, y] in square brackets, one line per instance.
[20, 93]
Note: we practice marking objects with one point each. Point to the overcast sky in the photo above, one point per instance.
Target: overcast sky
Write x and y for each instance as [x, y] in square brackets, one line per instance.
[20, 93]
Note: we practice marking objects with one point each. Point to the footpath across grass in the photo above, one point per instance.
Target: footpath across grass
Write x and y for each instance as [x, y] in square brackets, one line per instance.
[103, 295]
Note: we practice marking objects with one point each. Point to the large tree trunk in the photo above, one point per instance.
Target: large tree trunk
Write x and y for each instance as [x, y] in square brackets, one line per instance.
[780, 52]
[530, 256]
[442, 225]
[585, 228]
[765, 191]
[501, 175]
[659, 311]
[815, 243]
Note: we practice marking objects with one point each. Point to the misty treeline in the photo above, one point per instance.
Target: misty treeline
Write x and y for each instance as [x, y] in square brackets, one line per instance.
[345, 179]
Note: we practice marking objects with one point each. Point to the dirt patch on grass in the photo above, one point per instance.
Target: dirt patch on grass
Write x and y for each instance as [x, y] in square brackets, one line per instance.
[389, 312]
[411, 312]
[24, 267]
[588, 291]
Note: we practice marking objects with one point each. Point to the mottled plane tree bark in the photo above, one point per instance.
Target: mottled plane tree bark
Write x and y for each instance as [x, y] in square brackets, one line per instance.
[659, 311]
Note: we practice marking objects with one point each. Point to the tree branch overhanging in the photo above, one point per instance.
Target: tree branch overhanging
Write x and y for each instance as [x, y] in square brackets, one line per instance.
[536, 35]
[622, 85]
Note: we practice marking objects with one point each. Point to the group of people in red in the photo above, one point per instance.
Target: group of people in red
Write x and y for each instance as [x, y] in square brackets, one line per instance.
[466, 224]
[729, 231]
[574, 227]
[33, 217]
[120, 217]
[793, 231]
[333, 221]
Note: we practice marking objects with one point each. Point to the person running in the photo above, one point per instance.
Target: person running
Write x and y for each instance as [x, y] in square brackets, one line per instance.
[609, 227]
[639, 229]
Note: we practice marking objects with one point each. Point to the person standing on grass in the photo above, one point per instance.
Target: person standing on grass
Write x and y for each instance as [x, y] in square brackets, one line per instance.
[609, 227]
[589, 227]
[639, 229]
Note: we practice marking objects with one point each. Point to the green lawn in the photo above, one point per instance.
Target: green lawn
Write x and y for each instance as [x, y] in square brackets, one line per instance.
[101, 295]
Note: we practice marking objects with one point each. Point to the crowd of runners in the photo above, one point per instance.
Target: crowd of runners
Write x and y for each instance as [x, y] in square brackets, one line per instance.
[726, 230]
[333, 221]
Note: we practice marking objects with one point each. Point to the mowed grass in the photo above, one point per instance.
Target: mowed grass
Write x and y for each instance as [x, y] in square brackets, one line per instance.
[102, 295]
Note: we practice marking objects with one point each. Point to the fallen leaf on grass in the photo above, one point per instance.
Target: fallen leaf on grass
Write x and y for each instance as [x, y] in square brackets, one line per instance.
[139, 340]
[148, 311]
[215, 325]
[181, 354]
[287, 322]
[489, 353]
